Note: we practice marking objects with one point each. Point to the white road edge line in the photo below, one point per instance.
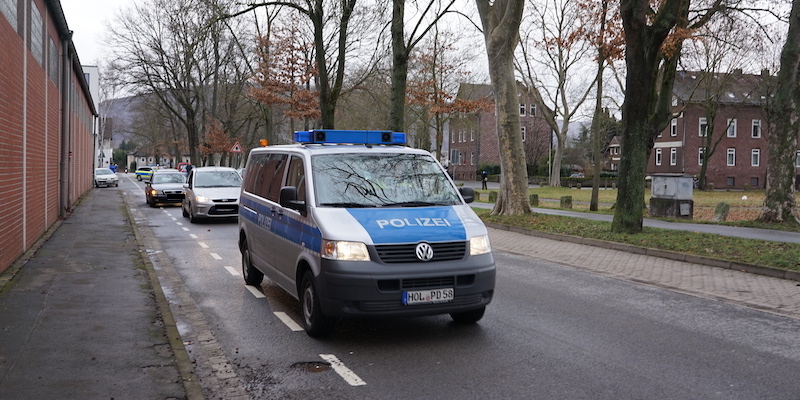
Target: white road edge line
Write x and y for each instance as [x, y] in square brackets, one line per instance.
[294, 326]
[346, 374]
[216, 256]
[255, 292]
[232, 270]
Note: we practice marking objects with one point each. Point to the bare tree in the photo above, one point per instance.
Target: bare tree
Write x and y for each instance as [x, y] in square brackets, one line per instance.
[555, 55]
[501, 21]
[779, 202]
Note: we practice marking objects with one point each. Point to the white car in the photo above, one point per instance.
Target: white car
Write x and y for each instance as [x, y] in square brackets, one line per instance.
[105, 177]
[211, 192]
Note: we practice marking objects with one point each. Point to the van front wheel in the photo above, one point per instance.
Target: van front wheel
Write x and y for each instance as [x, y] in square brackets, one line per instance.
[468, 317]
[315, 322]
[252, 276]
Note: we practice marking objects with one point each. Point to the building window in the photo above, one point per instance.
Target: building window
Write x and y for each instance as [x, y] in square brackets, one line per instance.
[472, 134]
[471, 158]
[533, 110]
[614, 167]
[523, 133]
[755, 157]
[732, 127]
[52, 61]
[37, 34]
[756, 128]
[452, 137]
[703, 127]
[797, 160]
[730, 181]
[9, 10]
[673, 156]
[658, 156]
[731, 157]
[454, 157]
[673, 127]
[701, 154]
[522, 110]
[754, 182]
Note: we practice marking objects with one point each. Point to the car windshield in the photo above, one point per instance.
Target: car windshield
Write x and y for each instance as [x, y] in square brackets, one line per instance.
[169, 178]
[381, 180]
[217, 179]
[103, 171]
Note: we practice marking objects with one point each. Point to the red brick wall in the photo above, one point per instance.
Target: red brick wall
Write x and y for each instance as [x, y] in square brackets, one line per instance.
[30, 140]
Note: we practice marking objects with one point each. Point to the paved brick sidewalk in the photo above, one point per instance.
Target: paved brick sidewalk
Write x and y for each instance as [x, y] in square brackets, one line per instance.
[763, 292]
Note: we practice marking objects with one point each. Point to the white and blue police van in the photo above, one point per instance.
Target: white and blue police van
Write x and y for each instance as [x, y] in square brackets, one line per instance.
[355, 223]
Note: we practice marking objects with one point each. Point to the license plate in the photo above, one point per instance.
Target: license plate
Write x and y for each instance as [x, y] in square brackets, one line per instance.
[430, 296]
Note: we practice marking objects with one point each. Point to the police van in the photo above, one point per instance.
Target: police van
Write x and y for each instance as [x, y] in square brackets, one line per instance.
[355, 223]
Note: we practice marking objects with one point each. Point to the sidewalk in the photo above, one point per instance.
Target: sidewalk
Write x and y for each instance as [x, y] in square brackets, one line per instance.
[80, 319]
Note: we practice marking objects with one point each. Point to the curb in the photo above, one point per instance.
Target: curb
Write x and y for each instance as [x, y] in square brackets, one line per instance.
[191, 383]
[670, 255]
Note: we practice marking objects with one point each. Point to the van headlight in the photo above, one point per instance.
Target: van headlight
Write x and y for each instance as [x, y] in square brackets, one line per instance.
[202, 199]
[479, 245]
[344, 251]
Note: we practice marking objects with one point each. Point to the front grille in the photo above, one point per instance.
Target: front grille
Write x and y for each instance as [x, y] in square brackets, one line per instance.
[394, 285]
[224, 210]
[397, 305]
[406, 253]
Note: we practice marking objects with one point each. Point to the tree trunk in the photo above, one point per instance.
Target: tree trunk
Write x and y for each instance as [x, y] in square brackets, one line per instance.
[397, 108]
[779, 202]
[501, 21]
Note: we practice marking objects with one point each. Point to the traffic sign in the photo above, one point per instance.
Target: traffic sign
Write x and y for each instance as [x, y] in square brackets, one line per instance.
[237, 148]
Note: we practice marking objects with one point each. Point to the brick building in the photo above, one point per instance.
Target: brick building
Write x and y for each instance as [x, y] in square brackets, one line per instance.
[473, 136]
[46, 124]
[740, 158]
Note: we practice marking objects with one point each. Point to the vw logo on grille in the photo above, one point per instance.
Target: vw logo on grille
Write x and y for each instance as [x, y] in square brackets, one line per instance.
[424, 252]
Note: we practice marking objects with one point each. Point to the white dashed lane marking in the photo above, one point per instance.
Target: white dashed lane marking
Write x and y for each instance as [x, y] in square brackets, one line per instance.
[294, 326]
[348, 375]
[255, 292]
[203, 245]
[232, 270]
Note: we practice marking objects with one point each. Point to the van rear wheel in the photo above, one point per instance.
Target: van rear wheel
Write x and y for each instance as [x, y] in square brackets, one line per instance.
[468, 317]
[252, 276]
[315, 322]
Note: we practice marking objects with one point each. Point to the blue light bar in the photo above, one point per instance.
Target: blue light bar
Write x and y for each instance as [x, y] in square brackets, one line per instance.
[333, 136]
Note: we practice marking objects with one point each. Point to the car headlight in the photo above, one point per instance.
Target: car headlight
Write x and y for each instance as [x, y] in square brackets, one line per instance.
[153, 192]
[202, 199]
[344, 251]
[479, 245]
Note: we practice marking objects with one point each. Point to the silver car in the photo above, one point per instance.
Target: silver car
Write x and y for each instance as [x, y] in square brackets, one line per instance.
[211, 192]
[105, 177]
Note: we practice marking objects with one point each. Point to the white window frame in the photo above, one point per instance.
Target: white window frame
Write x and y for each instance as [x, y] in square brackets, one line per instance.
[731, 157]
[731, 128]
[472, 134]
[673, 156]
[701, 153]
[533, 110]
[522, 109]
[471, 158]
[673, 127]
[702, 127]
[9, 9]
[797, 160]
[658, 156]
[524, 131]
[756, 133]
[755, 157]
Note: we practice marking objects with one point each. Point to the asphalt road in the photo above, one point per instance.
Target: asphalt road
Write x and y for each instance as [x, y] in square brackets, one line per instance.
[552, 331]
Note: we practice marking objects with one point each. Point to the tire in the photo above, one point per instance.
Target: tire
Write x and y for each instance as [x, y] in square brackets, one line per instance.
[183, 211]
[151, 202]
[468, 317]
[96, 185]
[138, 177]
[252, 276]
[315, 322]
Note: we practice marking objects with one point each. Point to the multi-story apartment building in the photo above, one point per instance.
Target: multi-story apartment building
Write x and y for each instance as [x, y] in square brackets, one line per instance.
[734, 143]
[473, 136]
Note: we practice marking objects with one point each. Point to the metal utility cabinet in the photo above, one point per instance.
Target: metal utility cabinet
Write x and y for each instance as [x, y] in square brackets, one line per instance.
[672, 196]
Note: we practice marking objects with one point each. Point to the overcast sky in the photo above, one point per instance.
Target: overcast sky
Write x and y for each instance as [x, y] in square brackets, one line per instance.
[87, 19]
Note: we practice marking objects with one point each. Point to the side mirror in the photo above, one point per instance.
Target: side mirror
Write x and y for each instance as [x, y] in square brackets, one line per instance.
[467, 193]
[288, 199]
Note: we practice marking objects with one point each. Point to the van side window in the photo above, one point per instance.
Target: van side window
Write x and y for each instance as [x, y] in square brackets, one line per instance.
[272, 177]
[297, 177]
[254, 167]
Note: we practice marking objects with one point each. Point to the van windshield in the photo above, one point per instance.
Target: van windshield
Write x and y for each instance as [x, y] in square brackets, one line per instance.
[381, 180]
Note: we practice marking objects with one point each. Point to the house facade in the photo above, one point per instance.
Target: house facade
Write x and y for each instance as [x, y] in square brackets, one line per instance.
[473, 136]
[47, 132]
[731, 137]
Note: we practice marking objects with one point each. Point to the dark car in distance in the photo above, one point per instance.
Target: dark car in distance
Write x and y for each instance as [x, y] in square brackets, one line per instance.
[165, 186]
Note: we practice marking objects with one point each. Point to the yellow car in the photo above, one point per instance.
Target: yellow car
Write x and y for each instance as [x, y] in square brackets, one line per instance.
[145, 172]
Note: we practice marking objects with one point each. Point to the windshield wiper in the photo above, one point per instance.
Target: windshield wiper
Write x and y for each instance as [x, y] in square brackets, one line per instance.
[413, 204]
[347, 205]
